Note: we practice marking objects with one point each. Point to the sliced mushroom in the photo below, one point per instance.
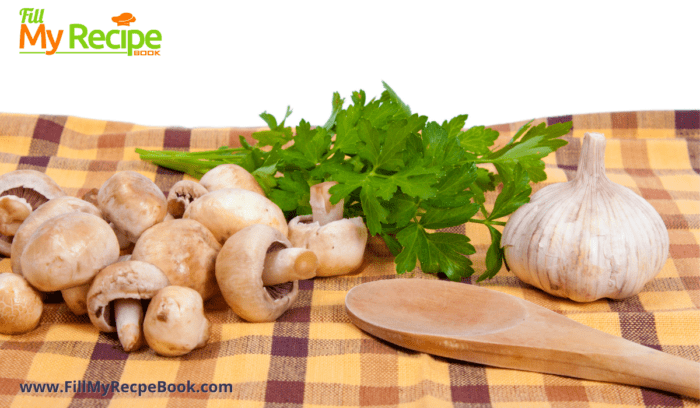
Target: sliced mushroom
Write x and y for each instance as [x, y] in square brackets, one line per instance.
[175, 323]
[114, 299]
[21, 192]
[185, 251]
[245, 258]
[227, 211]
[132, 202]
[182, 194]
[230, 176]
[68, 251]
[20, 305]
[339, 243]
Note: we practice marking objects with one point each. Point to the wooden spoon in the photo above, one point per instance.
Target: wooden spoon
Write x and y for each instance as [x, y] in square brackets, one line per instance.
[479, 325]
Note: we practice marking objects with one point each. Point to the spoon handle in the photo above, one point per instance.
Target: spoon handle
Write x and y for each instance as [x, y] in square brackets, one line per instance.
[568, 348]
[655, 369]
[572, 349]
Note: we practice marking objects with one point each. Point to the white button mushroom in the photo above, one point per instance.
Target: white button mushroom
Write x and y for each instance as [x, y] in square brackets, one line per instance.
[21, 192]
[227, 211]
[57, 206]
[132, 202]
[339, 243]
[20, 305]
[33, 186]
[175, 323]
[74, 297]
[185, 251]
[230, 176]
[181, 194]
[68, 251]
[254, 269]
[124, 244]
[114, 299]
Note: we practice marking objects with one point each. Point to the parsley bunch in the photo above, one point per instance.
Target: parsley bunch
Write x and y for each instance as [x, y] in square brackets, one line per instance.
[407, 177]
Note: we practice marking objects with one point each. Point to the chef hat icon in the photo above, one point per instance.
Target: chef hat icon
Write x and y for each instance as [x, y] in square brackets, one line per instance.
[124, 19]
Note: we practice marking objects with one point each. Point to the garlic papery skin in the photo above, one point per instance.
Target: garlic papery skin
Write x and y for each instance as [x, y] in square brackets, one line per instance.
[588, 238]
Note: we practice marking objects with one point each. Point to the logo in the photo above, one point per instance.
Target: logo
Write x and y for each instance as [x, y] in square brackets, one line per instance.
[82, 40]
[124, 19]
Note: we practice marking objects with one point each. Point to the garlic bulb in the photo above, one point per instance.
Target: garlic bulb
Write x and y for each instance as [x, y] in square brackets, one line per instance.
[587, 238]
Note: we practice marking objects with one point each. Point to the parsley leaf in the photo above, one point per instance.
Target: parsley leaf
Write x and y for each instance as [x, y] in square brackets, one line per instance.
[437, 252]
[396, 99]
[529, 146]
[516, 192]
[478, 139]
[494, 255]
[278, 133]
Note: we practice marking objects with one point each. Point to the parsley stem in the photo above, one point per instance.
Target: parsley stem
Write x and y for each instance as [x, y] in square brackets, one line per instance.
[493, 161]
[487, 222]
[483, 211]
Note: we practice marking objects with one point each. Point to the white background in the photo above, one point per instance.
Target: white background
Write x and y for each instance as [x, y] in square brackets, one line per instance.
[222, 63]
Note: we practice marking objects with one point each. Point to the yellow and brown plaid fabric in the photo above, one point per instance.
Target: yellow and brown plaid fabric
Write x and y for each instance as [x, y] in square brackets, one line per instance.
[313, 356]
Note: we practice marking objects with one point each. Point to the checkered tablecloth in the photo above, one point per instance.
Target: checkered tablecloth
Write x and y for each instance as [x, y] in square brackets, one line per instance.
[313, 356]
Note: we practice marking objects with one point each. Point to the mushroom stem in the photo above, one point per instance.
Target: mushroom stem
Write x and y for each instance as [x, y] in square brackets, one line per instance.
[322, 210]
[129, 316]
[289, 264]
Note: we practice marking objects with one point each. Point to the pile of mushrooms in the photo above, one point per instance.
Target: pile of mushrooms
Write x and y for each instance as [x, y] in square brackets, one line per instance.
[141, 264]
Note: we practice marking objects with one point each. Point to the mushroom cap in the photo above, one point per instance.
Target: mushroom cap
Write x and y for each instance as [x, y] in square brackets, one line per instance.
[67, 251]
[55, 207]
[225, 212]
[230, 176]
[132, 202]
[121, 280]
[239, 268]
[181, 194]
[185, 250]
[76, 298]
[34, 186]
[20, 305]
[175, 323]
[339, 245]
